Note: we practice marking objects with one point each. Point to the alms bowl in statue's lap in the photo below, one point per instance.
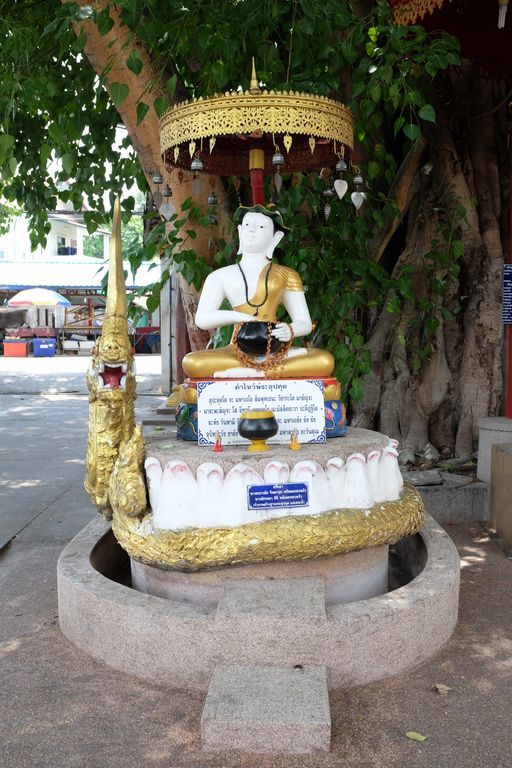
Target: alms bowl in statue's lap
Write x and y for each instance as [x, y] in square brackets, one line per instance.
[253, 339]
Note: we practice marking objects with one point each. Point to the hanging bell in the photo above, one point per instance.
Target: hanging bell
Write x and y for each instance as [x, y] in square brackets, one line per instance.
[167, 211]
[358, 196]
[341, 167]
[328, 194]
[157, 178]
[197, 164]
[167, 191]
[212, 198]
[502, 13]
[278, 161]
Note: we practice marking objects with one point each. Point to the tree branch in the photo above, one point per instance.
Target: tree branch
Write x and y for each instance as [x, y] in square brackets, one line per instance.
[107, 55]
[399, 193]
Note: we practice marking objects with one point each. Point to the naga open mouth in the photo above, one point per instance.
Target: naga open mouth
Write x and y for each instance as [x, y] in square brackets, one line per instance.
[112, 376]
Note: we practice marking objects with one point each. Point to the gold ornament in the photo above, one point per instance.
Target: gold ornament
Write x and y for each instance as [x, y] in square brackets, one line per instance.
[111, 382]
[231, 118]
[288, 538]
[127, 486]
[409, 11]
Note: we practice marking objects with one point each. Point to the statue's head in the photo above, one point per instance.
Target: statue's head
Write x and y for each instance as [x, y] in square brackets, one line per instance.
[259, 229]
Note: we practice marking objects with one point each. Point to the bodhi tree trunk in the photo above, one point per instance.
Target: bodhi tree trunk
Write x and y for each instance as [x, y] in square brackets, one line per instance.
[436, 360]
[107, 53]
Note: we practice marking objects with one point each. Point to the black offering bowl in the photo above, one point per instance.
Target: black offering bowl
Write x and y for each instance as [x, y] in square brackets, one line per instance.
[258, 427]
[253, 337]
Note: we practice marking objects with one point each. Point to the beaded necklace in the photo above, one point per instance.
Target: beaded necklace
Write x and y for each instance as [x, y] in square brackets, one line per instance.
[255, 306]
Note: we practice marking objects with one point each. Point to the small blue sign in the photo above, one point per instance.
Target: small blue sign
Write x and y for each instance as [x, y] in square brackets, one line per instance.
[506, 312]
[277, 496]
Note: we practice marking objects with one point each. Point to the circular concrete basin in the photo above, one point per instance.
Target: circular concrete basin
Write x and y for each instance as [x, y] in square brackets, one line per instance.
[269, 621]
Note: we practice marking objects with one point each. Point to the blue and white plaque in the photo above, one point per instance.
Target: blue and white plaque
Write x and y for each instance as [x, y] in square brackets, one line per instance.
[277, 496]
[506, 311]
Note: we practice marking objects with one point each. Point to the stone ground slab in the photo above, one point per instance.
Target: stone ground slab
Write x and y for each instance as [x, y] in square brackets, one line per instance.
[467, 503]
[267, 709]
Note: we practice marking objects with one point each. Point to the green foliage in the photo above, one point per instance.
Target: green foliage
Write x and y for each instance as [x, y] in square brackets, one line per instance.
[342, 283]
[57, 123]
[58, 128]
[131, 241]
[439, 267]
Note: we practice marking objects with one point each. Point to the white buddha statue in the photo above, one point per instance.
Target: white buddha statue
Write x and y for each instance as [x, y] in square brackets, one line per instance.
[255, 287]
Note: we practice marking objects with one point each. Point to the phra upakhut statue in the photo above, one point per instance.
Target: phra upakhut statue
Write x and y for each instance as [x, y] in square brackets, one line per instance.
[199, 513]
[256, 287]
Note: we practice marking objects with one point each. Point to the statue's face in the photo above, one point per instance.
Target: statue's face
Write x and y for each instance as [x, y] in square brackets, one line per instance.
[256, 233]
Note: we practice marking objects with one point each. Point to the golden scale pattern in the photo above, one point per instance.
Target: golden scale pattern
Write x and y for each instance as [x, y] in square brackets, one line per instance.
[243, 113]
[288, 538]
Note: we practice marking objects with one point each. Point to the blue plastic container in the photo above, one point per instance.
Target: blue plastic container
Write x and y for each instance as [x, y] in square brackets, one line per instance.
[44, 347]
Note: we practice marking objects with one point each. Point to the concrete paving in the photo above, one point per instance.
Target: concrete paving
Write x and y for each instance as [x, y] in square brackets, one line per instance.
[60, 708]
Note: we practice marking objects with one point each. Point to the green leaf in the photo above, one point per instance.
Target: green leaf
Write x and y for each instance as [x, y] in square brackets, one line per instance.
[68, 163]
[104, 22]
[161, 104]
[79, 43]
[142, 110]
[427, 112]
[416, 736]
[374, 169]
[171, 85]
[6, 142]
[375, 93]
[412, 131]
[457, 248]
[134, 62]
[356, 390]
[118, 93]
[399, 123]
[44, 153]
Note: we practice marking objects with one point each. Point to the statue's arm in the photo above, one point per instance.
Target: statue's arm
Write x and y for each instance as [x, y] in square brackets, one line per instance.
[208, 315]
[297, 308]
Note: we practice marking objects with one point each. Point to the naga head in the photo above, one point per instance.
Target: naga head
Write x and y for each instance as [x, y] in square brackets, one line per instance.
[112, 368]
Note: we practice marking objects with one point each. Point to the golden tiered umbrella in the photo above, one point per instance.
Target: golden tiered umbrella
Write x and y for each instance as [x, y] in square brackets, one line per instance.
[255, 132]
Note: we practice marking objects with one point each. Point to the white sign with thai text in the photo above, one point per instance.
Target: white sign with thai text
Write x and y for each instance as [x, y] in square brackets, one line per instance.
[297, 404]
